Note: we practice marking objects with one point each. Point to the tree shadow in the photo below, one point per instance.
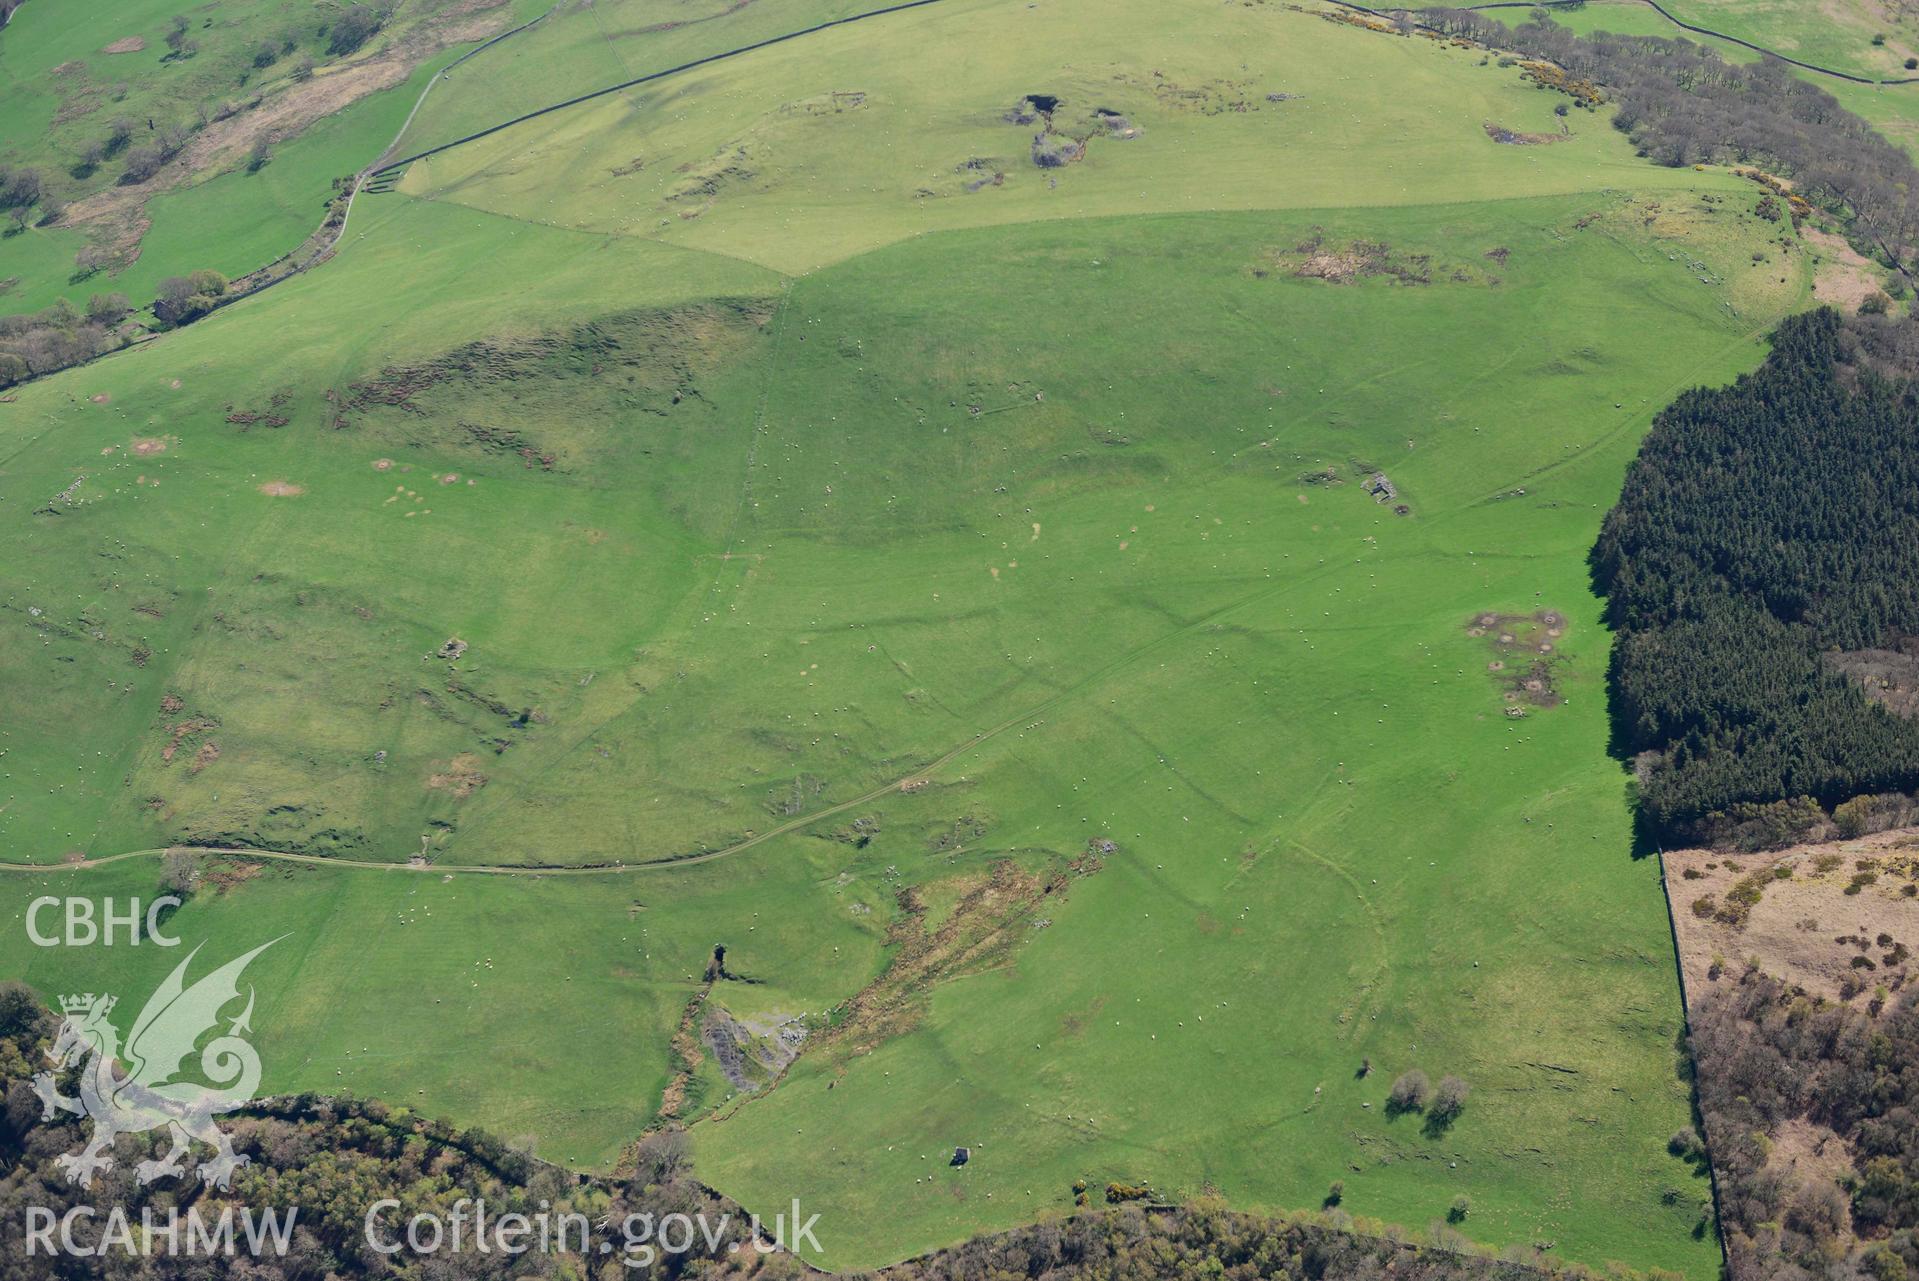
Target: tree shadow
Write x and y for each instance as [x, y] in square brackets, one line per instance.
[1645, 836]
[1621, 743]
[716, 970]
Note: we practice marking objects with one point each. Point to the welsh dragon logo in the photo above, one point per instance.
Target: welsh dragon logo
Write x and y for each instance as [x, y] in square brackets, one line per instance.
[145, 1092]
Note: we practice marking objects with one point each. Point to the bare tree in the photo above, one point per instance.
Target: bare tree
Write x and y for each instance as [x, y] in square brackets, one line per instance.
[1449, 1100]
[1409, 1092]
[178, 871]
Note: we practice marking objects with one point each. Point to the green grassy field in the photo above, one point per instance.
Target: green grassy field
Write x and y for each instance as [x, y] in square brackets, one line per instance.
[1837, 35]
[1860, 36]
[1274, 768]
[60, 85]
[60, 90]
[578, 48]
[66, 72]
[449, 996]
[804, 153]
[38, 263]
[872, 540]
[1892, 109]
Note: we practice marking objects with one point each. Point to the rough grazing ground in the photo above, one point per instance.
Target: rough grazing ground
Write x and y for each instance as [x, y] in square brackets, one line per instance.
[1095, 740]
[1809, 927]
[1844, 278]
[208, 206]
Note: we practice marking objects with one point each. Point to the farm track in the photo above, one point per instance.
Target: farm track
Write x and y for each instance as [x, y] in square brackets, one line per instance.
[804, 821]
[800, 823]
[706, 856]
[379, 177]
[365, 178]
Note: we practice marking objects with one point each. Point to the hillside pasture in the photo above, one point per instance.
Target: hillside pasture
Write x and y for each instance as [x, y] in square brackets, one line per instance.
[1254, 683]
[980, 611]
[804, 153]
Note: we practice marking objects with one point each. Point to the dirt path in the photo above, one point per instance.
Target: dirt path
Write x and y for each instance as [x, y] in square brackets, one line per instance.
[923, 773]
[361, 178]
[804, 821]
[599, 869]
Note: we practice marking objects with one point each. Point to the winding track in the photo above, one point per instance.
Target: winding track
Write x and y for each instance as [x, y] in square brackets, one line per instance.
[381, 167]
[800, 823]
[525, 869]
[797, 824]
[1025, 717]
[365, 175]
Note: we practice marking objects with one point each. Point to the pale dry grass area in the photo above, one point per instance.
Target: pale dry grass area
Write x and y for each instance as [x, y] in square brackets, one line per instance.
[1806, 928]
[117, 215]
[1844, 278]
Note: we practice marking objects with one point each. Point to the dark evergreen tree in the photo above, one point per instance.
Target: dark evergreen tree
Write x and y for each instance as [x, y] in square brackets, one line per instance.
[1763, 526]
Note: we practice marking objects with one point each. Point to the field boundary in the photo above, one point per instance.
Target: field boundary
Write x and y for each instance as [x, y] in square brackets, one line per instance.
[380, 169]
[1681, 23]
[476, 50]
[1692, 1060]
[360, 179]
[650, 76]
[320, 252]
